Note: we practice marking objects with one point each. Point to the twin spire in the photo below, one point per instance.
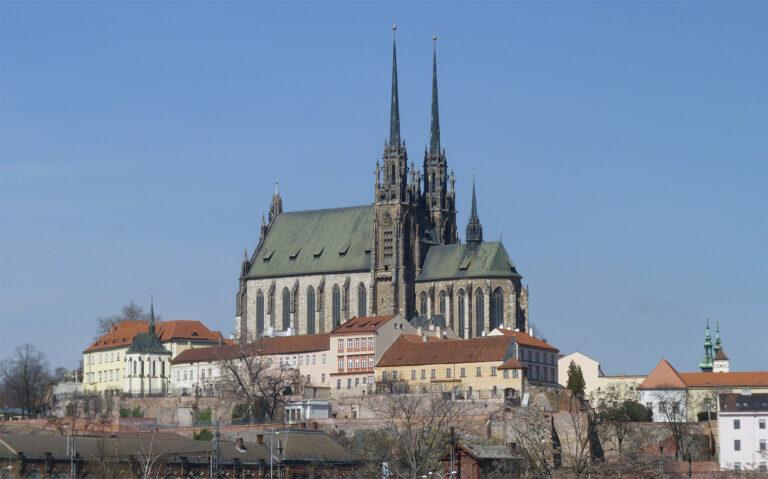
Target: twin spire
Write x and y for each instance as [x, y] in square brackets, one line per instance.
[394, 115]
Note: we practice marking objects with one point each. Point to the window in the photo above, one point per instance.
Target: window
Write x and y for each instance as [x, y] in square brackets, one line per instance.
[413, 374]
[423, 304]
[210, 373]
[497, 308]
[762, 444]
[515, 373]
[537, 356]
[178, 375]
[478, 372]
[394, 375]
[357, 344]
[362, 300]
[349, 344]
[286, 309]
[310, 310]
[463, 373]
[185, 375]
[357, 363]
[479, 313]
[441, 306]
[202, 374]
[338, 384]
[336, 305]
[462, 330]
[432, 374]
[349, 383]
[301, 360]
[423, 374]
[761, 424]
[341, 364]
[448, 373]
[357, 382]
[323, 358]
[737, 445]
[259, 312]
[493, 370]
[737, 423]
[314, 359]
[737, 466]
[341, 345]
[495, 391]
[506, 374]
[350, 363]
[322, 378]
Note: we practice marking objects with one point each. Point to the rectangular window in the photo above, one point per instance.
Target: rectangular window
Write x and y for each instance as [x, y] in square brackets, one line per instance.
[433, 374]
[349, 343]
[478, 372]
[448, 373]
[737, 424]
[322, 378]
[349, 383]
[341, 345]
[413, 374]
[350, 363]
[185, 375]
[365, 379]
[202, 374]
[357, 382]
[341, 364]
[423, 374]
[463, 372]
[506, 374]
[323, 358]
[762, 444]
[762, 424]
[537, 356]
[210, 373]
[394, 375]
[338, 384]
[357, 363]
[493, 370]
[357, 343]
[314, 359]
[370, 344]
[737, 445]
[301, 360]
[515, 373]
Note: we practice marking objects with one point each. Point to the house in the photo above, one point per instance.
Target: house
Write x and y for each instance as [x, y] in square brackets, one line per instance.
[680, 396]
[596, 382]
[357, 345]
[538, 356]
[305, 410]
[742, 431]
[480, 368]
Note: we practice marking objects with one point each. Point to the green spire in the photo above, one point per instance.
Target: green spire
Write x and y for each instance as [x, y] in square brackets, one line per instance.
[434, 133]
[718, 343]
[394, 115]
[706, 363]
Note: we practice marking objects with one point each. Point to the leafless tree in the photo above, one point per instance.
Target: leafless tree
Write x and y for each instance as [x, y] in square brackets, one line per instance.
[250, 377]
[674, 409]
[532, 437]
[573, 431]
[26, 378]
[130, 312]
[147, 462]
[416, 430]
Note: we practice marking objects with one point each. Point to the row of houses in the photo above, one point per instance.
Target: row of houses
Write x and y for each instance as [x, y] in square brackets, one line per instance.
[185, 358]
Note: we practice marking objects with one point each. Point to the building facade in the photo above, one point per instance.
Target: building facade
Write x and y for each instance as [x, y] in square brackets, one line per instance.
[400, 254]
[743, 432]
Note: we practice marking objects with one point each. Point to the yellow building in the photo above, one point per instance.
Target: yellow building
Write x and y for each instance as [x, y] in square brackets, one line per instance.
[471, 368]
[104, 360]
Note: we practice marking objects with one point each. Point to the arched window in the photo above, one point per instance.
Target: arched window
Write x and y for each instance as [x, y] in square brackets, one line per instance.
[286, 309]
[462, 330]
[362, 300]
[441, 307]
[310, 310]
[479, 313]
[336, 305]
[259, 313]
[423, 304]
[497, 309]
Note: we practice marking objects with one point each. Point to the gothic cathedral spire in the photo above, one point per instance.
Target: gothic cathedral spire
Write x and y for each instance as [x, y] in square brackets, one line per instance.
[434, 131]
[394, 114]
[474, 228]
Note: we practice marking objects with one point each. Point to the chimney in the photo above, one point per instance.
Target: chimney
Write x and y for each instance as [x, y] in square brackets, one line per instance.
[259, 438]
[239, 445]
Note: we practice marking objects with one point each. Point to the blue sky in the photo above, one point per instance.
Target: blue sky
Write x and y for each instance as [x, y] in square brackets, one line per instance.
[619, 146]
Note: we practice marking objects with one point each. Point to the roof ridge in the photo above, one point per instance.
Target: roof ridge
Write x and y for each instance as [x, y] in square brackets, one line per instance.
[338, 208]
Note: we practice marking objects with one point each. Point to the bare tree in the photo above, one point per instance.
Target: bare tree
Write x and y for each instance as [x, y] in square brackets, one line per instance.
[147, 462]
[532, 438]
[130, 312]
[674, 408]
[573, 432]
[415, 430]
[26, 377]
[247, 376]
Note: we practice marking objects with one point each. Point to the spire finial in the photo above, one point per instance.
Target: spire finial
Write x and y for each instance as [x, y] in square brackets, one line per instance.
[277, 189]
[394, 114]
[152, 315]
[434, 132]
[474, 228]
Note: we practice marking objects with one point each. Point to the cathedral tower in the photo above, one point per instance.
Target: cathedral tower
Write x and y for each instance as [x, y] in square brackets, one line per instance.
[439, 201]
[396, 229]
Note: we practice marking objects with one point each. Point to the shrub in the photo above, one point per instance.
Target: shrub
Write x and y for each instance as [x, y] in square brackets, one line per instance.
[203, 435]
[125, 412]
[703, 415]
[637, 412]
[137, 412]
[204, 416]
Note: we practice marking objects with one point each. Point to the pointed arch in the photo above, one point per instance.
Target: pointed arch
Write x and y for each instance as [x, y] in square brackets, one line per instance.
[310, 310]
[442, 299]
[497, 308]
[362, 300]
[259, 313]
[462, 316]
[336, 305]
[423, 304]
[286, 300]
[479, 312]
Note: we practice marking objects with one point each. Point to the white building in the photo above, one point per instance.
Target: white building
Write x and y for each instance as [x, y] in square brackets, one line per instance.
[306, 409]
[147, 364]
[743, 433]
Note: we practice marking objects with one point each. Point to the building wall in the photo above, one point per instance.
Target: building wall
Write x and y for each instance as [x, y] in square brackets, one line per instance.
[470, 378]
[104, 370]
[298, 285]
[541, 364]
[155, 378]
[750, 436]
[651, 398]
[590, 369]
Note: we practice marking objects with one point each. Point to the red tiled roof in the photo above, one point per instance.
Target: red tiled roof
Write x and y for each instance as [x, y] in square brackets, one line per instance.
[266, 346]
[511, 363]
[122, 334]
[406, 352]
[663, 376]
[733, 379]
[720, 356]
[415, 338]
[362, 324]
[527, 340]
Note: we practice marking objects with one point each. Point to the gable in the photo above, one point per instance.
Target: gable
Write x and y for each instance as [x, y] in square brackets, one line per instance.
[485, 260]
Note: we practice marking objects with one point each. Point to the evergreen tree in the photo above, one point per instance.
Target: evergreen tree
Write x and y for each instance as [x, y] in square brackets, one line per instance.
[575, 380]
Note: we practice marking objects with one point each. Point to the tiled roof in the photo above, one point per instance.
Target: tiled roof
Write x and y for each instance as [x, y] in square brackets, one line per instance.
[663, 376]
[123, 333]
[405, 352]
[488, 259]
[732, 379]
[732, 402]
[511, 363]
[526, 339]
[362, 324]
[266, 346]
[720, 356]
[316, 241]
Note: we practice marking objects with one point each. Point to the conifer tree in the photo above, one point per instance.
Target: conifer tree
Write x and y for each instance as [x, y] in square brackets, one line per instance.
[575, 380]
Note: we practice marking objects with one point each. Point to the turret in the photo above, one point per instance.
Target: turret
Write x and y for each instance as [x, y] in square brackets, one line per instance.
[474, 228]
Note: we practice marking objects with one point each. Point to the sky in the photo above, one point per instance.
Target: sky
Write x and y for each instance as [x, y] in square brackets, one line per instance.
[619, 150]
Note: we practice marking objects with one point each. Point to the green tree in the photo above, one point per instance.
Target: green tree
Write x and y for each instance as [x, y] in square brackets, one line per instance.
[575, 380]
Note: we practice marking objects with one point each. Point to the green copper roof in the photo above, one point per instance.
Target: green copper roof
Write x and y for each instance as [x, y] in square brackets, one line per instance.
[467, 261]
[316, 242]
[146, 343]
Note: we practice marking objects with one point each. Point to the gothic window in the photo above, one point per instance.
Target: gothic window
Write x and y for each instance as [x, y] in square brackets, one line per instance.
[479, 312]
[423, 304]
[259, 312]
[310, 310]
[442, 302]
[286, 308]
[362, 300]
[462, 330]
[497, 309]
[336, 305]
[389, 238]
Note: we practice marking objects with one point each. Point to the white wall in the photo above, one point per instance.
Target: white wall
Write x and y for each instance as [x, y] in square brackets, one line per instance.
[652, 398]
[750, 435]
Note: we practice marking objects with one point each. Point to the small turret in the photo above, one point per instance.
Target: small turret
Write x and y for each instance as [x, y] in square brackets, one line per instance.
[276, 207]
[706, 364]
[721, 363]
[474, 228]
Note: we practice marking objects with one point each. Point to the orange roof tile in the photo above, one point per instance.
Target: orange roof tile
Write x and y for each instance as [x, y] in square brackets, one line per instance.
[527, 340]
[511, 363]
[405, 352]
[361, 324]
[663, 376]
[123, 333]
[266, 346]
[731, 379]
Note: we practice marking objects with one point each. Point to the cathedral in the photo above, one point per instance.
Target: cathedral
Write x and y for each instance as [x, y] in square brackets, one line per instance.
[401, 254]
